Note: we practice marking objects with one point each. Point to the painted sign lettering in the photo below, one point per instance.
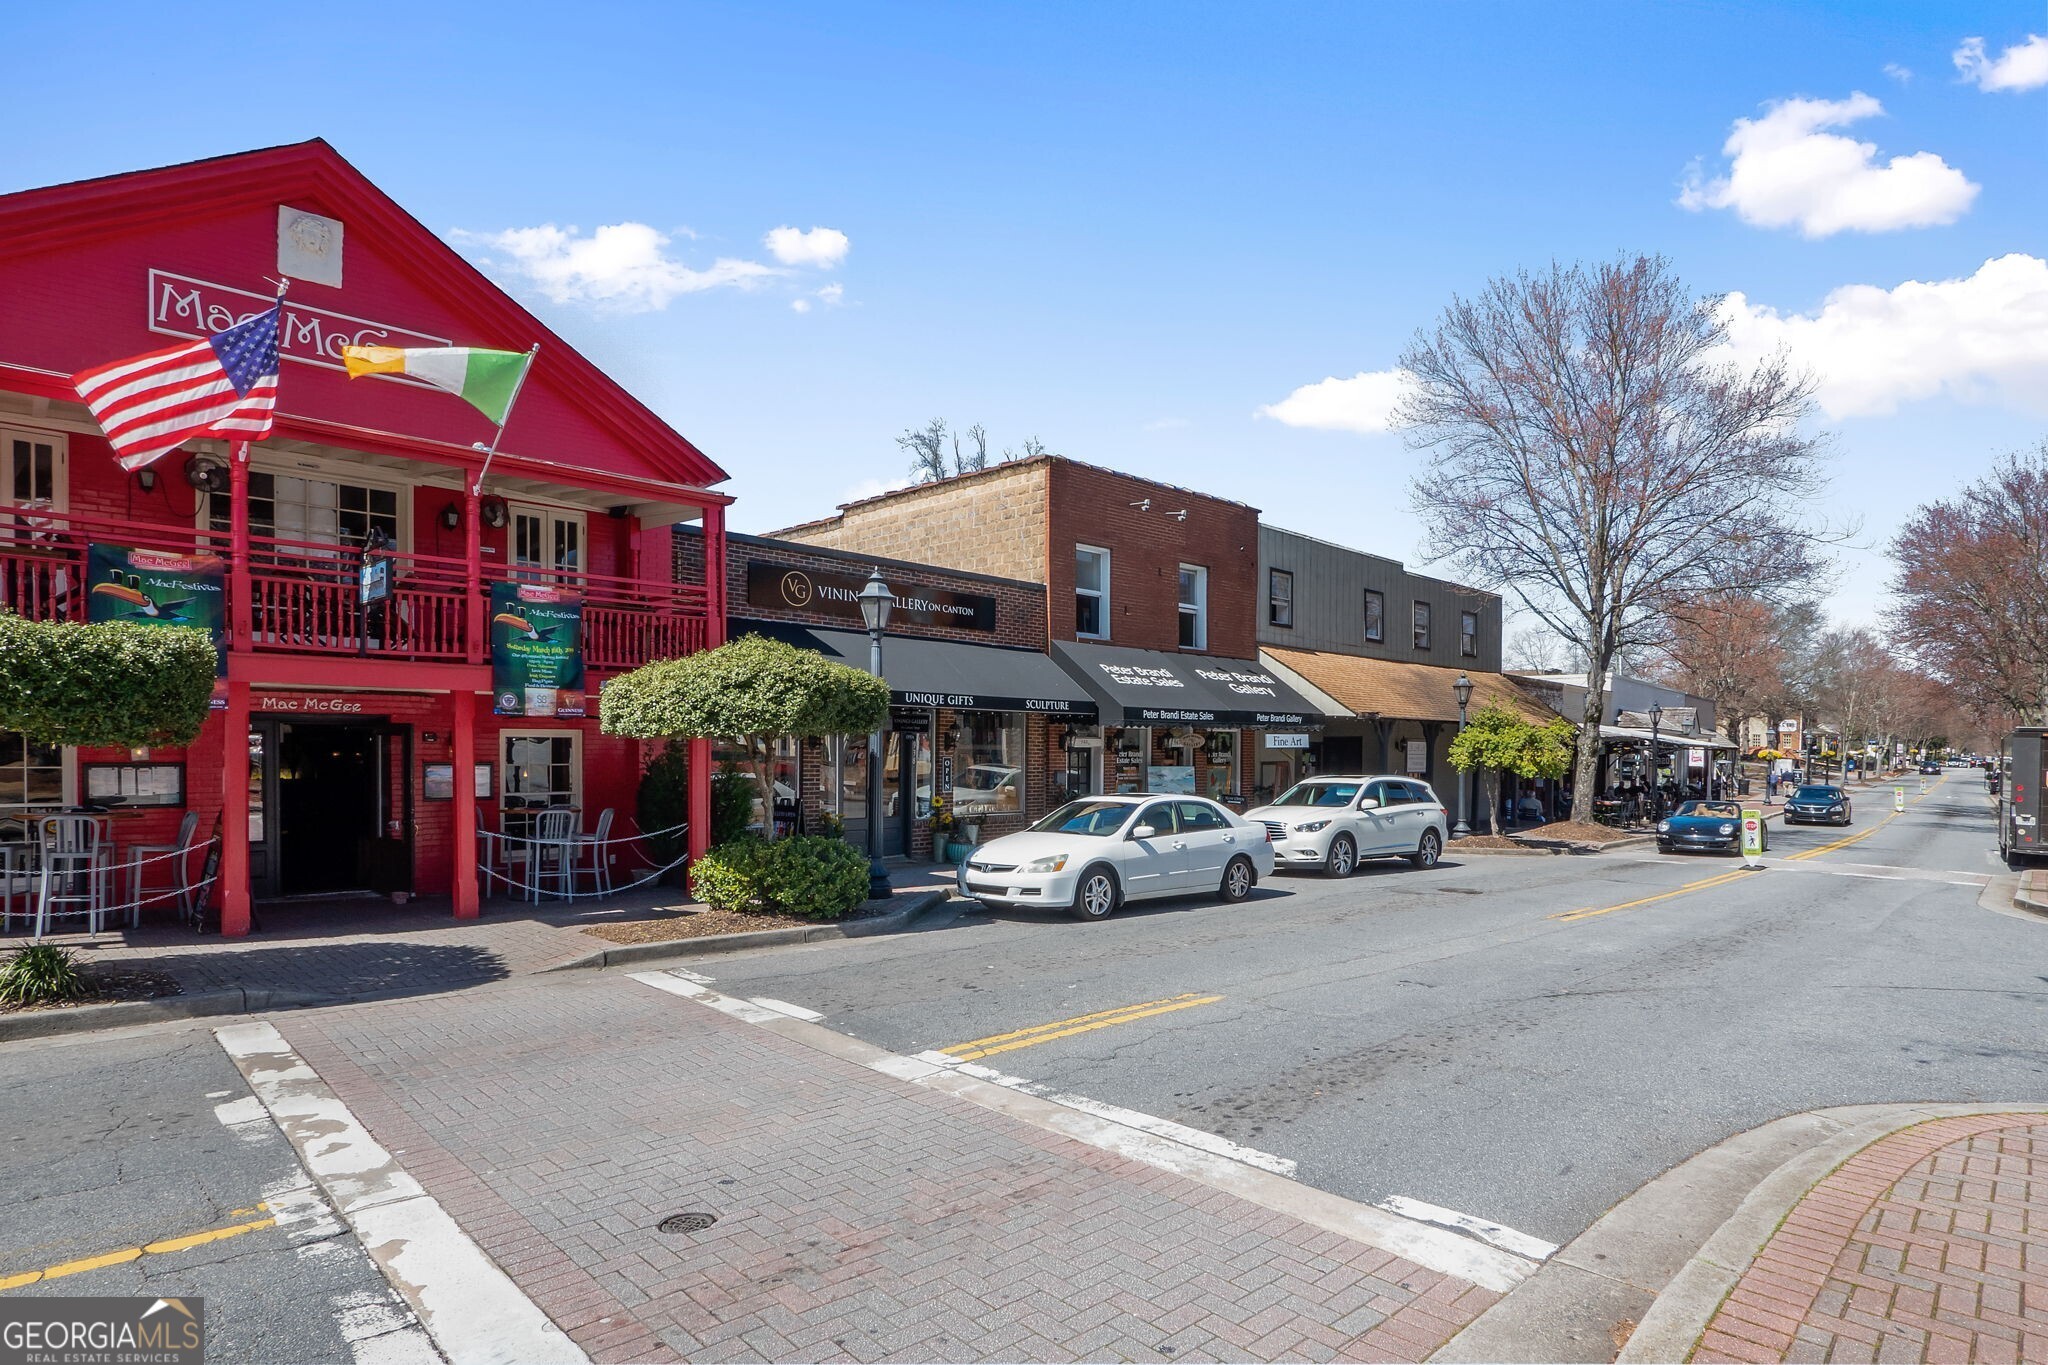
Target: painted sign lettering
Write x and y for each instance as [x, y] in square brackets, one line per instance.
[180, 306]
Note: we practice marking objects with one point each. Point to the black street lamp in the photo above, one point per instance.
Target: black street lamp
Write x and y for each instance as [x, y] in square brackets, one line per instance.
[1656, 765]
[875, 603]
[1462, 689]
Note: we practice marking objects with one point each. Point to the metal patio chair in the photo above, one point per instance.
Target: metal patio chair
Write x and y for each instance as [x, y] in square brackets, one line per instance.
[76, 872]
[175, 856]
[551, 854]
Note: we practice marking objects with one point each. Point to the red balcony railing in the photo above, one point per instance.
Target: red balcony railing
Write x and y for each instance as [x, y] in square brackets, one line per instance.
[303, 596]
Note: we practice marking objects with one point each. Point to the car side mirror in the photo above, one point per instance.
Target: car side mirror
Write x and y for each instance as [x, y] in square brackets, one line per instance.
[1144, 832]
[1368, 803]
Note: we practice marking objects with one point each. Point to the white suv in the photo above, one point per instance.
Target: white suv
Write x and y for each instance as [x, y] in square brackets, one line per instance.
[1329, 823]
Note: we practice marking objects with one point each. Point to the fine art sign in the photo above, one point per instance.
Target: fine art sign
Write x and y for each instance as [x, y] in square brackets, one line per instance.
[782, 588]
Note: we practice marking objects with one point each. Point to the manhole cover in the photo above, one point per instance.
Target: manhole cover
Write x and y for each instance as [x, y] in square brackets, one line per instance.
[686, 1222]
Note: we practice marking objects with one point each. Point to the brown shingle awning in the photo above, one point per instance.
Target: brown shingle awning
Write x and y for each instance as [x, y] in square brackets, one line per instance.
[1393, 690]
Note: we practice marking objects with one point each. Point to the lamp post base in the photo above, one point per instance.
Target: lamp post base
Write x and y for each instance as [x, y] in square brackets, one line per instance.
[1460, 830]
[879, 888]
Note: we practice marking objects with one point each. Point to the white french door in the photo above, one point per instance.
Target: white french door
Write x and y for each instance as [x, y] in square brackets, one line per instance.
[545, 543]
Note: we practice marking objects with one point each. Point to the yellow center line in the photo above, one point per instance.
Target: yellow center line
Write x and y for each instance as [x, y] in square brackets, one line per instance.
[1568, 916]
[1067, 1028]
[126, 1254]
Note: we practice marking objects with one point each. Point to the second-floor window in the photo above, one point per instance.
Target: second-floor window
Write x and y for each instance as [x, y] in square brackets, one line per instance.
[1422, 625]
[1468, 634]
[1375, 616]
[1194, 607]
[317, 511]
[545, 542]
[1091, 592]
[1280, 598]
[31, 468]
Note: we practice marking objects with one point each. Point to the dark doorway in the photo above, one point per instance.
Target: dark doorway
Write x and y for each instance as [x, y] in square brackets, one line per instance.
[328, 806]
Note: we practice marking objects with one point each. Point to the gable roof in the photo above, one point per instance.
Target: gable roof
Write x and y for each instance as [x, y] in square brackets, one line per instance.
[313, 175]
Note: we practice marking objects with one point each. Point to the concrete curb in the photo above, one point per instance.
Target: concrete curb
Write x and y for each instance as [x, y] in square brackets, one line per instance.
[2032, 893]
[625, 954]
[54, 1023]
[1665, 1257]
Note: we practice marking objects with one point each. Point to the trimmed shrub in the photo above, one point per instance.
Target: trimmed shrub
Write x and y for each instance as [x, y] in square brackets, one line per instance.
[815, 877]
[40, 974]
[119, 685]
[807, 876]
[664, 802]
[732, 804]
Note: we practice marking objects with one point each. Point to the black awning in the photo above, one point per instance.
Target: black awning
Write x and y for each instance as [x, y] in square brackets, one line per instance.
[923, 672]
[1151, 687]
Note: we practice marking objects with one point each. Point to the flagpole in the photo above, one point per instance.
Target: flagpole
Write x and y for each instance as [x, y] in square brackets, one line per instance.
[517, 385]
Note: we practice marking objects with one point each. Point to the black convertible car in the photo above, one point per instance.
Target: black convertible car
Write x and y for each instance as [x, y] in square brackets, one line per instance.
[1714, 826]
[1818, 806]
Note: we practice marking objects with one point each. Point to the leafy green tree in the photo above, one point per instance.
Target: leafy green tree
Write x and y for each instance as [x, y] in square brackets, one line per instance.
[1496, 740]
[747, 693]
[119, 685]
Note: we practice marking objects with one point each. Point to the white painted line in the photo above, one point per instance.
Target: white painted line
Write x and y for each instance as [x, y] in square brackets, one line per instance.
[1507, 1239]
[784, 1007]
[475, 1313]
[688, 975]
[1203, 1157]
[247, 1109]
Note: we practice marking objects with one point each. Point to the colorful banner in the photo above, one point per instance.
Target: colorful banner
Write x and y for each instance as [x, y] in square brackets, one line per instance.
[157, 588]
[536, 650]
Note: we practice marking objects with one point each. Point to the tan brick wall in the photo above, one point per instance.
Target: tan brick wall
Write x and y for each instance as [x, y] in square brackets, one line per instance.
[992, 522]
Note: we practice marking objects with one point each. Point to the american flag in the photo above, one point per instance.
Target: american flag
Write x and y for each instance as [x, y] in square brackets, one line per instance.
[223, 386]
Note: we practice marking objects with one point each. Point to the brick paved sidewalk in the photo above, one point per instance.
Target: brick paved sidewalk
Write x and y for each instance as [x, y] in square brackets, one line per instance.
[1930, 1244]
[859, 1217]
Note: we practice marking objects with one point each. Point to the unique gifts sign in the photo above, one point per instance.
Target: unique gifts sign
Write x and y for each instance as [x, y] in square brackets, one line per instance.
[536, 650]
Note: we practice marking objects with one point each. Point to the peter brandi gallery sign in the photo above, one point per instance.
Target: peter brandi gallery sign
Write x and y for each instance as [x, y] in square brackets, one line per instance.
[536, 650]
[782, 588]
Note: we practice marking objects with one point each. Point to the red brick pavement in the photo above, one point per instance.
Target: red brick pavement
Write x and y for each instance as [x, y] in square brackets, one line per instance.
[860, 1218]
[1928, 1245]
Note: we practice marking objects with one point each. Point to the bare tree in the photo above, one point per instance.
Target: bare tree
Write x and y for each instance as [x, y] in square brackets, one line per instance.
[1593, 456]
[1033, 447]
[1534, 650]
[1972, 589]
[926, 447]
[1728, 648]
[967, 464]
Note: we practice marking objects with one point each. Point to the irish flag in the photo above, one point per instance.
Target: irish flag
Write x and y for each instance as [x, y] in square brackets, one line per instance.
[487, 379]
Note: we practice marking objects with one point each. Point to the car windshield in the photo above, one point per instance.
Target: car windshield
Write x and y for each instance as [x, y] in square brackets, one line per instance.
[1816, 794]
[1099, 819]
[1710, 810]
[1318, 794]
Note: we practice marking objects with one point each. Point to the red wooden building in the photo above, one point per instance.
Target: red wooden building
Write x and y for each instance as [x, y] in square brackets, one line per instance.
[318, 768]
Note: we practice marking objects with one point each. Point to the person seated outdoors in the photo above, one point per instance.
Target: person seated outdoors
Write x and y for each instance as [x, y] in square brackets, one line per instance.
[1529, 810]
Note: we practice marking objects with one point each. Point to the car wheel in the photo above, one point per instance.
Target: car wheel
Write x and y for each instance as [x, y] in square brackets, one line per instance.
[1426, 853]
[1343, 859]
[1238, 880]
[1095, 898]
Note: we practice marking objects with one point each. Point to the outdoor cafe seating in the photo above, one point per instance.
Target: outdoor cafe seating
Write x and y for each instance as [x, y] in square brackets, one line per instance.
[67, 864]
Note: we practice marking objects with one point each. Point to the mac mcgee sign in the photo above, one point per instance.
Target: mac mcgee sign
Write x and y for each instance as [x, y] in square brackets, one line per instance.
[782, 588]
[180, 306]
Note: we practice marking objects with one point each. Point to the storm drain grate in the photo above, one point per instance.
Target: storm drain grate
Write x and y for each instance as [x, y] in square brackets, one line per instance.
[686, 1222]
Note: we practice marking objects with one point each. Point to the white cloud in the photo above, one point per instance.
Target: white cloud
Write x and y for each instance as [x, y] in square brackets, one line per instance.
[833, 294]
[1364, 403]
[819, 246]
[1979, 339]
[1785, 171]
[624, 266]
[1898, 73]
[800, 305]
[2023, 66]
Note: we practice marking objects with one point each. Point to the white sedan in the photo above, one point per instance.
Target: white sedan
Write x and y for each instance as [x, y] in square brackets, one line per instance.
[1092, 855]
[1328, 823]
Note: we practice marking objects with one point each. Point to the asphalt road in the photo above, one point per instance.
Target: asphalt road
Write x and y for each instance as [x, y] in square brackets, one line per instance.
[1469, 1036]
[113, 1142]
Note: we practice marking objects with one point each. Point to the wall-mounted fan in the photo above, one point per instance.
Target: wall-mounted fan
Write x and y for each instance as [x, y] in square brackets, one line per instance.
[206, 474]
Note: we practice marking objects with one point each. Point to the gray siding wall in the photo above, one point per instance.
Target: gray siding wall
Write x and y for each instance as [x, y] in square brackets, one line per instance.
[1330, 584]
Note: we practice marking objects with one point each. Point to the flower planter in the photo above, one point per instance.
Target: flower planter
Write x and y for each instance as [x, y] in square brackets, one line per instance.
[956, 854]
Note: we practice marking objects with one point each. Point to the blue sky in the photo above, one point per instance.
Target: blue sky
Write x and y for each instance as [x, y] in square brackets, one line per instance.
[1127, 228]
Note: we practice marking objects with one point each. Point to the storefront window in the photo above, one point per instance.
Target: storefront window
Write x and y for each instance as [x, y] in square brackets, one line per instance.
[31, 774]
[785, 769]
[848, 793]
[541, 769]
[316, 510]
[1219, 765]
[989, 767]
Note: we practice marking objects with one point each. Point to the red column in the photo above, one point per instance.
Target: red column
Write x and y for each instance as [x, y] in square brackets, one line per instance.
[714, 578]
[234, 814]
[241, 611]
[700, 798]
[476, 639]
[465, 840]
